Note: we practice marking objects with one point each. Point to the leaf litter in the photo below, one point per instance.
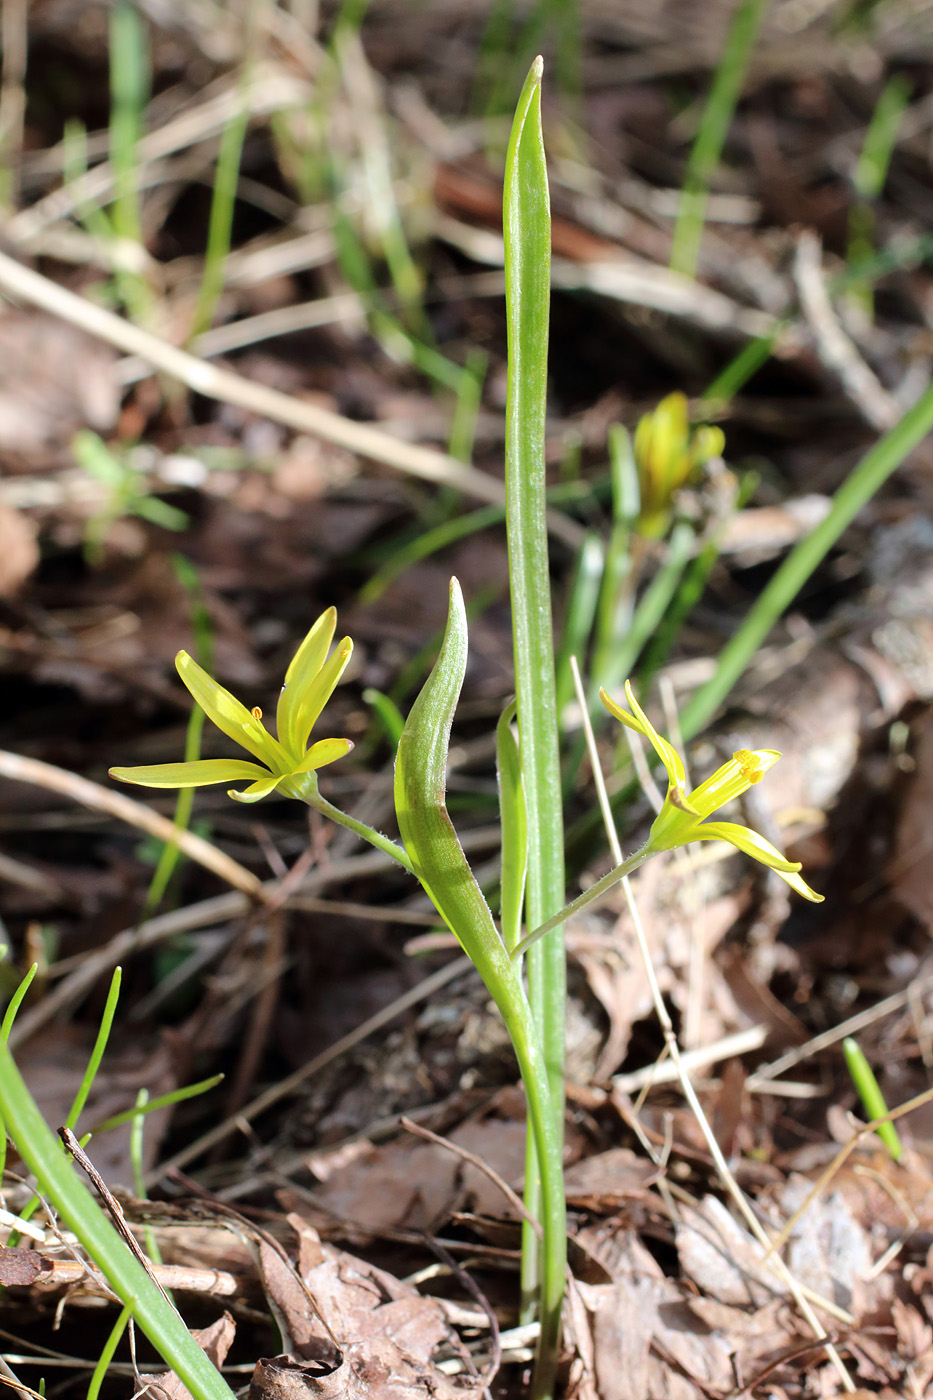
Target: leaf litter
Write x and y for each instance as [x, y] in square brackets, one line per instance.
[673, 1296]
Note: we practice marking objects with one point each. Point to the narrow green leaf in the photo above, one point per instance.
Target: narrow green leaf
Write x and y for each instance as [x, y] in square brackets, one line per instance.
[97, 1054]
[869, 1091]
[56, 1179]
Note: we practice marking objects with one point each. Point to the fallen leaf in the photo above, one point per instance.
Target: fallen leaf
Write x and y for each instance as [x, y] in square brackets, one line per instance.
[19, 552]
[722, 1259]
[20, 1267]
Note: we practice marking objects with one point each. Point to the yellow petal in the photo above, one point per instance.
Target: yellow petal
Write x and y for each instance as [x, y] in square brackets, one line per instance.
[230, 716]
[304, 666]
[317, 692]
[669, 756]
[754, 845]
[323, 752]
[186, 775]
[261, 788]
[745, 768]
[744, 839]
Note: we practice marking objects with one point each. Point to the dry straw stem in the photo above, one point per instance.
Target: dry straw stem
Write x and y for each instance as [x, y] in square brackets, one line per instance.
[761, 1079]
[863, 1131]
[271, 89]
[84, 972]
[101, 799]
[837, 352]
[623, 278]
[413, 997]
[799, 1294]
[22, 284]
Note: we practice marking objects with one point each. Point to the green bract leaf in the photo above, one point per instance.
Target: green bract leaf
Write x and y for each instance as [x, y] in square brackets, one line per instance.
[420, 791]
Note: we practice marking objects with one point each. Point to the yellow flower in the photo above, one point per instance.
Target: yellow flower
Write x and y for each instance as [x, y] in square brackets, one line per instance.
[285, 762]
[666, 453]
[683, 817]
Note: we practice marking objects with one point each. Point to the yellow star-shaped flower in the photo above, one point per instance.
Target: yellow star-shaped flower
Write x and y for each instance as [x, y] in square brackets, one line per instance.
[285, 762]
[684, 816]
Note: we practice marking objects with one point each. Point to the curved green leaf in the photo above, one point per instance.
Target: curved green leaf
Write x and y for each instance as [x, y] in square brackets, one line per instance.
[420, 804]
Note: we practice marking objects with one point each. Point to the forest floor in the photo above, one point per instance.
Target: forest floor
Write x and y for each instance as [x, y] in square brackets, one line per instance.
[150, 504]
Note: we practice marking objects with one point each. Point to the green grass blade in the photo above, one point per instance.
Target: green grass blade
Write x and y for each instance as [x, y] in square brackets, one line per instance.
[41, 1151]
[870, 174]
[714, 124]
[579, 614]
[142, 1110]
[110, 1346]
[15, 1002]
[855, 492]
[869, 1091]
[100, 1045]
[220, 222]
[203, 630]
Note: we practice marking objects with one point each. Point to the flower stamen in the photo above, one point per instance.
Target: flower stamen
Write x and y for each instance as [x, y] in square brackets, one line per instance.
[753, 770]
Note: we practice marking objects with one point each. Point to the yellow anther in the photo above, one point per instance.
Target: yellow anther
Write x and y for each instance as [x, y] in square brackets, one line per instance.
[753, 770]
[256, 712]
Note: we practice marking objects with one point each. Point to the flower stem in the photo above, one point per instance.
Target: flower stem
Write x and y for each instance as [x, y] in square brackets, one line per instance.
[366, 833]
[617, 873]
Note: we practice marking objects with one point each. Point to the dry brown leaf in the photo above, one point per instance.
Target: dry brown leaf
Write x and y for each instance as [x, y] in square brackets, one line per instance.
[19, 551]
[20, 1267]
[609, 1180]
[284, 1378]
[378, 1334]
[722, 1258]
[646, 1340]
[416, 1185]
[828, 1250]
[54, 379]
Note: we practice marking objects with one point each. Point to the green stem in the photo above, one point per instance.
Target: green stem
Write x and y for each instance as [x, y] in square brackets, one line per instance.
[366, 833]
[547, 1132]
[617, 873]
[42, 1153]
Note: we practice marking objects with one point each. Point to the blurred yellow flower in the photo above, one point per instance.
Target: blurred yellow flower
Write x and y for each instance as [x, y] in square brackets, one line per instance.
[666, 453]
